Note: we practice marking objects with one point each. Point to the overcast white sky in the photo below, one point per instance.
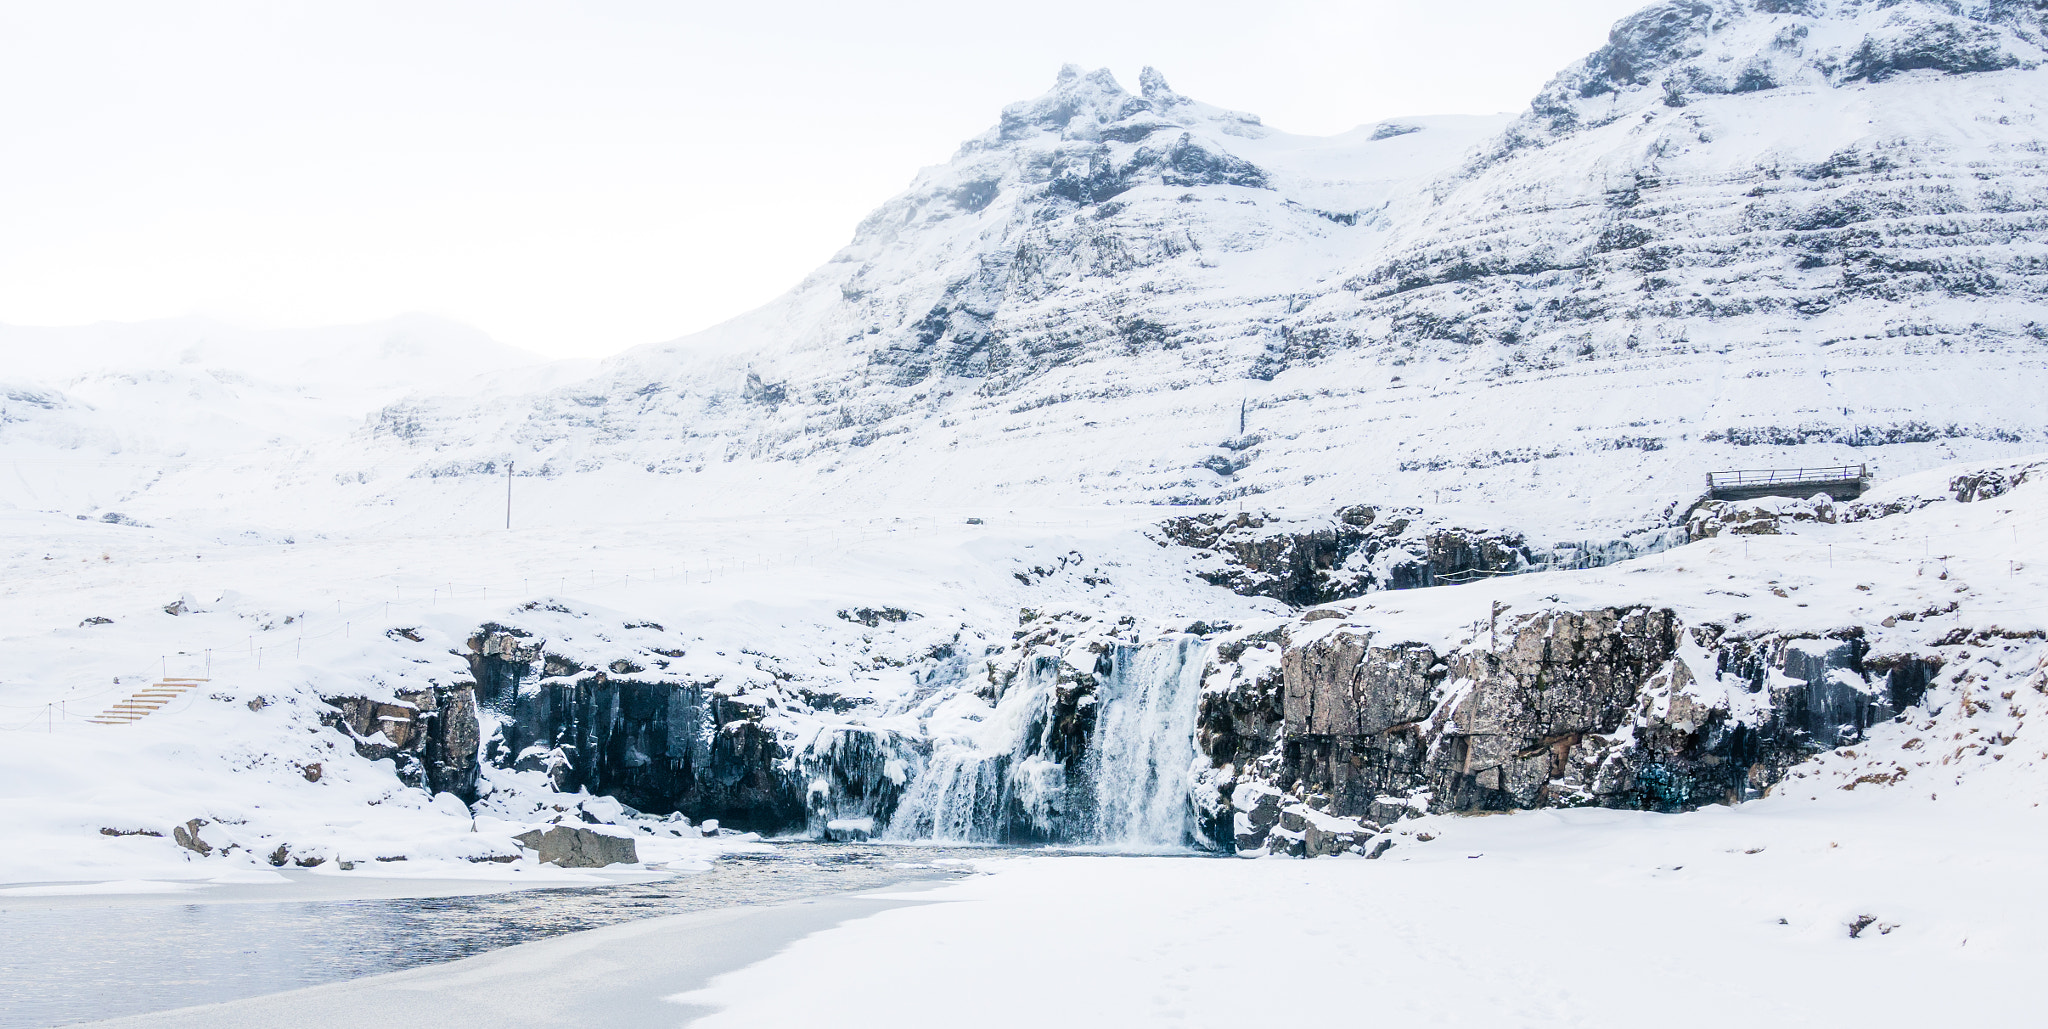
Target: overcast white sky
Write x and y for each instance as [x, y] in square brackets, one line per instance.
[580, 178]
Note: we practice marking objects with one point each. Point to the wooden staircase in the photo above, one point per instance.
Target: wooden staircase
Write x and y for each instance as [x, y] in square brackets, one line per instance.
[144, 702]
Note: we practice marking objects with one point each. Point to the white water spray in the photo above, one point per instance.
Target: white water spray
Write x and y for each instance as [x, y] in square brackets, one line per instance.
[1006, 784]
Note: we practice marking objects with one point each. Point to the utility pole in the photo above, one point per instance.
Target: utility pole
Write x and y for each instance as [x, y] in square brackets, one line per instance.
[508, 494]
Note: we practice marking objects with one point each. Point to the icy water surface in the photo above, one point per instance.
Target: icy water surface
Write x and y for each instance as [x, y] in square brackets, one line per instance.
[60, 965]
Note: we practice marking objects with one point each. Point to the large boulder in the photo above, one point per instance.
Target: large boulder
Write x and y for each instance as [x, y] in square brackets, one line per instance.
[571, 847]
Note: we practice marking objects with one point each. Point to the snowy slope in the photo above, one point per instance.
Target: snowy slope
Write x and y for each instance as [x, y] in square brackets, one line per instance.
[90, 414]
[1097, 254]
[1738, 235]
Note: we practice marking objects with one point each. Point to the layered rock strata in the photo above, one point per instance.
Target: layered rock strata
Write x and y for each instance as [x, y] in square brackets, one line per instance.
[1615, 707]
[430, 735]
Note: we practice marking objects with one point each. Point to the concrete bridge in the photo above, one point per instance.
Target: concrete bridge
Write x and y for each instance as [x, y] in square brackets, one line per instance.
[1844, 482]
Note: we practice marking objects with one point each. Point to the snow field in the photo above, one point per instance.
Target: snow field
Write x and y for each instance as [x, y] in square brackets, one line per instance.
[1554, 918]
[742, 602]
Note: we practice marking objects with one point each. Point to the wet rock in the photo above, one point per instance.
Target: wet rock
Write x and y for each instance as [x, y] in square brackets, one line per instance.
[857, 776]
[570, 847]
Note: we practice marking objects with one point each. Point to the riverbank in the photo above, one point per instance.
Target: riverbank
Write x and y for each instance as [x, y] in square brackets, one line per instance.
[1808, 908]
[91, 953]
[614, 976]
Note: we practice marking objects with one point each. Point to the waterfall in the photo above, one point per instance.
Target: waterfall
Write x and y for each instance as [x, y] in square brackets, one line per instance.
[1025, 775]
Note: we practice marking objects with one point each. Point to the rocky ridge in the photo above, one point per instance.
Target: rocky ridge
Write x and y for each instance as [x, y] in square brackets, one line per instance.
[1737, 234]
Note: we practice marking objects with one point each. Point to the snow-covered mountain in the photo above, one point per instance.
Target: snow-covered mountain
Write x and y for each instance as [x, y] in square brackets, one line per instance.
[883, 555]
[1740, 234]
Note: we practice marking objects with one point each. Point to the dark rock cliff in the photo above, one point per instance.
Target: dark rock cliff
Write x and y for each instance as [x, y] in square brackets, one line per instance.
[1362, 549]
[1258, 555]
[663, 747]
[431, 736]
[656, 747]
[1605, 707]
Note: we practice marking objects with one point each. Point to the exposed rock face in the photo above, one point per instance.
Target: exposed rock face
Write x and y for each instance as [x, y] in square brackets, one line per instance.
[1756, 517]
[188, 836]
[855, 776]
[1612, 707]
[569, 846]
[656, 747]
[1361, 549]
[1258, 555]
[500, 657]
[688, 747]
[1991, 482]
[432, 735]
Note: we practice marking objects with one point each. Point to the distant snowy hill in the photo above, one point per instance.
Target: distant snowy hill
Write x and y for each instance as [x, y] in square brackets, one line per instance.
[89, 414]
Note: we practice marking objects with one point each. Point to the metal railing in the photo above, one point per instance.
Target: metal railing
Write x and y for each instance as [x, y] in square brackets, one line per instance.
[1785, 476]
[1465, 575]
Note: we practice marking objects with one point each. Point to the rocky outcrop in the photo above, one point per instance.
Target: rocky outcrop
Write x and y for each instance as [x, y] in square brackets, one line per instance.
[606, 724]
[500, 657]
[1610, 707]
[1360, 549]
[657, 747]
[854, 778]
[569, 846]
[1757, 517]
[1315, 562]
[1988, 483]
[432, 735]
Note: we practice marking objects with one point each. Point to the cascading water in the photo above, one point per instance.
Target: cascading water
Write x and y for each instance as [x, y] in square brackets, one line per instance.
[1144, 741]
[1027, 775]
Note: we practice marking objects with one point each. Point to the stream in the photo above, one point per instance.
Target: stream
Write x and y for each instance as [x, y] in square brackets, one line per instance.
[107, 957]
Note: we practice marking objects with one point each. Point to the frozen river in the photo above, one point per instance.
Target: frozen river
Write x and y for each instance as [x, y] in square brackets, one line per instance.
[79, 959]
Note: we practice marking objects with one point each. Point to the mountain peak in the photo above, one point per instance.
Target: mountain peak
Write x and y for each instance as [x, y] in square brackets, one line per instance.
[1675, 51]
[1153, 85]
[1075, 107]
